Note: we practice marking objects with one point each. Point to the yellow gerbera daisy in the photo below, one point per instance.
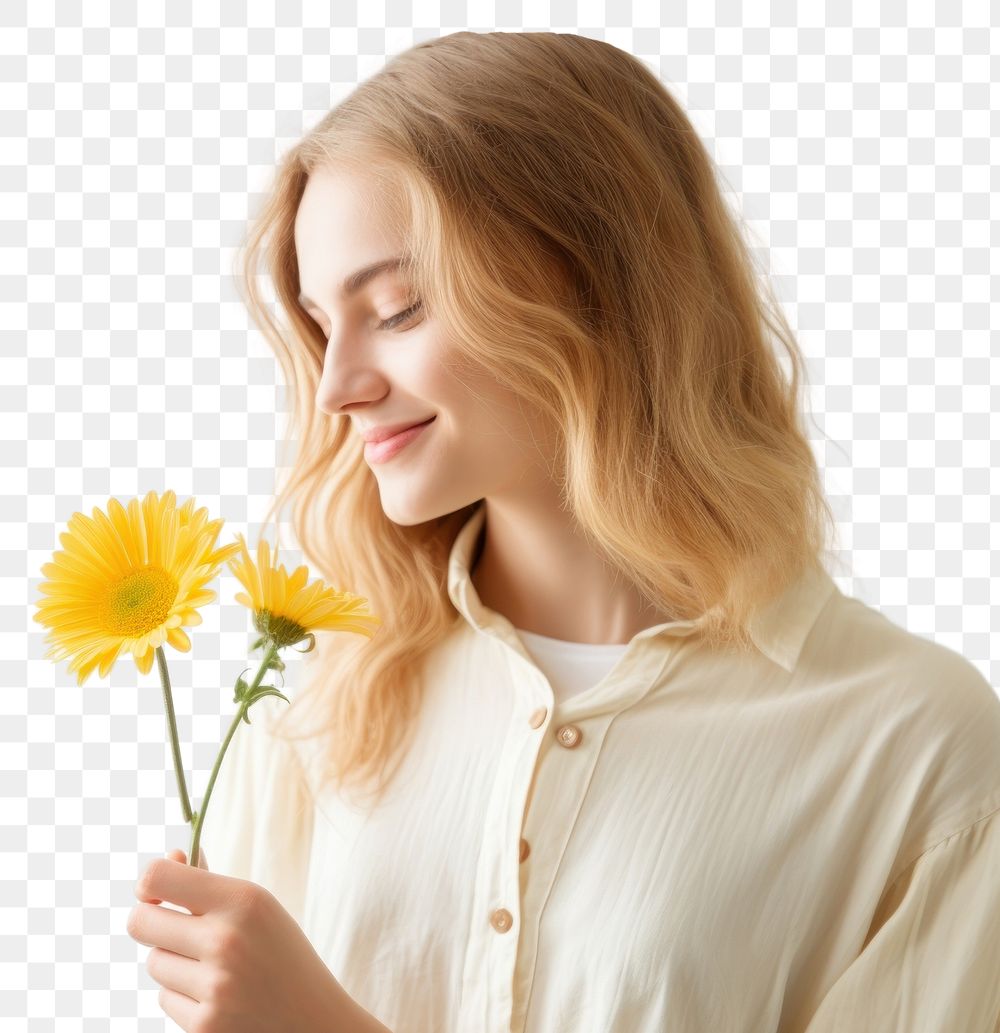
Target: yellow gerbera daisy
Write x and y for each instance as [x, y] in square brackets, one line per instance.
[285, 609]
[128, 581]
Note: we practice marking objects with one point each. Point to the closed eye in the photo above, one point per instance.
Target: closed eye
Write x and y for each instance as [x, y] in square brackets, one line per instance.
[386, 324]
[393, 321]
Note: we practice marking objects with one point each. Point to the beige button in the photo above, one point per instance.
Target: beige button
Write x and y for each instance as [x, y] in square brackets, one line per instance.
[537, 717]
[569, 736]
[525, 849]
[501, 920]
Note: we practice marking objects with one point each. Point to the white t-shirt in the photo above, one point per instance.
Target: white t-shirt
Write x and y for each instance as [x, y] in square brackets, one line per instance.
[571, 667]
[805, 839]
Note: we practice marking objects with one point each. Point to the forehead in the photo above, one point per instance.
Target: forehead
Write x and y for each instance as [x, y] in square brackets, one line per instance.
[347, 218]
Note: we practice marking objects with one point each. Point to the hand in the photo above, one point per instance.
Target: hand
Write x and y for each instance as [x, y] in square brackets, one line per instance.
[238, 962]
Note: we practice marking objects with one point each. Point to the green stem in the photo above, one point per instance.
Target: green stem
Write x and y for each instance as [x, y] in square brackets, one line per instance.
[168, 705]
[193, 853]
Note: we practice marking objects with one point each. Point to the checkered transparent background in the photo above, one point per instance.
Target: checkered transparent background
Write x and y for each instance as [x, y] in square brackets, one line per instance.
[856, 139]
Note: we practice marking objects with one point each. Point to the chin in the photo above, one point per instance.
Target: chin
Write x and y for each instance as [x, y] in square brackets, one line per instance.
[406, 513]
[410, 512]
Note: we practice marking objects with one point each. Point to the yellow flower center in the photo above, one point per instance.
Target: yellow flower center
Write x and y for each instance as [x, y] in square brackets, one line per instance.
[138, 603]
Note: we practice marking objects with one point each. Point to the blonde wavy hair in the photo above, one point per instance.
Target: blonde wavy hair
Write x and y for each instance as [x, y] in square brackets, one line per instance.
[566, 229]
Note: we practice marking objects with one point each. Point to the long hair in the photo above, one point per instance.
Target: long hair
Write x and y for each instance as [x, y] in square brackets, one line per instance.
[565, 227]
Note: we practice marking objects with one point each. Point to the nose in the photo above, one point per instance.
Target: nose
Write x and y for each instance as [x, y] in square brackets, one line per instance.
[347, 378]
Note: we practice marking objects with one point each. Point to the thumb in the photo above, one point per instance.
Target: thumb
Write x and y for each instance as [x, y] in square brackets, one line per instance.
[180, 855]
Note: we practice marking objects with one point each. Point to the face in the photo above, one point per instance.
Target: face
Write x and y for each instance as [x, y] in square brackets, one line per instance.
[386, 365]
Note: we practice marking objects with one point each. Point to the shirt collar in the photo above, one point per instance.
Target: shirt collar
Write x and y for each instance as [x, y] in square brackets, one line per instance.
[778, 629]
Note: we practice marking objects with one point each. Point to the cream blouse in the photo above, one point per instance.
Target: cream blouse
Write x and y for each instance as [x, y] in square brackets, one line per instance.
[802, 841]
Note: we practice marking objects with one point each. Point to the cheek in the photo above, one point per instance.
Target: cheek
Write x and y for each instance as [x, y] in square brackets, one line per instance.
[483, 420]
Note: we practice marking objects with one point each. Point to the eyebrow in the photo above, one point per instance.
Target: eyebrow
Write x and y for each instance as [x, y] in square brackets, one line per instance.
[360, 277]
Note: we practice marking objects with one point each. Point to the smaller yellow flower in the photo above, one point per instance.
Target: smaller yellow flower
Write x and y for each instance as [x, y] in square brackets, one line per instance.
[128, 581]
[285, 609]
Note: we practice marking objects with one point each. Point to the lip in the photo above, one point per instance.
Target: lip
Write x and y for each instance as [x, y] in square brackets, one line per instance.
[377, 434]
[380, 451]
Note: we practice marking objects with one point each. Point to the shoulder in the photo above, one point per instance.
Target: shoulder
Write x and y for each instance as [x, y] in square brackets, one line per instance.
[860, 643]
[932, 714]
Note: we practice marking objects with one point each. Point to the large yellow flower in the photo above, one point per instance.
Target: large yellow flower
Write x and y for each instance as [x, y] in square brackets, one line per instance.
[285, 609]
[128, 581]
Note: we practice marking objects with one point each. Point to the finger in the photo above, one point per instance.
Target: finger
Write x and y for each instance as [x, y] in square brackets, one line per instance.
[179, 855]
[176, 973]
[157, 926]
[179, 1007]
[197, 889]
[176, 855]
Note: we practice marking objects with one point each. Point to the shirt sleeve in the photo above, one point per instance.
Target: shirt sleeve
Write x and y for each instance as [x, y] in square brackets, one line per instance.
[933, 964]
[258, 824]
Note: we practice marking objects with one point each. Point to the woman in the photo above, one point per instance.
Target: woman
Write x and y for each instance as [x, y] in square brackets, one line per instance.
[622, 756]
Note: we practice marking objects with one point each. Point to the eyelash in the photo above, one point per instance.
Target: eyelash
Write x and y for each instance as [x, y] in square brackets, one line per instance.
[393, 321]
[400, 317]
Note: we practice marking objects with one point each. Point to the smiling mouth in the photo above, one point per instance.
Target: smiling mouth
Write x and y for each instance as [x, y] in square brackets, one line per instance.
[380, 451]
